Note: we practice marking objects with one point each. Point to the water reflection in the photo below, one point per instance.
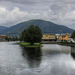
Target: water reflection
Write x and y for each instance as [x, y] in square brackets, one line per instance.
[73, 52]
[55, 49]
[33, 56]
[54, 59]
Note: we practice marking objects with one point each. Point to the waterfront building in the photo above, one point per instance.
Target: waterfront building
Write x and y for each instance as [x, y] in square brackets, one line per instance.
[3, 37]
[49, 37]
[63, 37]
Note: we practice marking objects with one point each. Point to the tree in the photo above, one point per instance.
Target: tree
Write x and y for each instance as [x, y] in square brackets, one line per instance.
[73, 35]
[31, 35]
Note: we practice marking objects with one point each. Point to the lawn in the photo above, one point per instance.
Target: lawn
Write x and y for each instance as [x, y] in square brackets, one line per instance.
[29, 45]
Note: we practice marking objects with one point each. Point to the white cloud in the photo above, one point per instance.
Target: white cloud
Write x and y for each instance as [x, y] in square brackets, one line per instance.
[15, 16]
[58, 11]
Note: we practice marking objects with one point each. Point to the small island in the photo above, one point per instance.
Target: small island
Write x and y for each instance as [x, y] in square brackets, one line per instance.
[31, 37]
[29, 45]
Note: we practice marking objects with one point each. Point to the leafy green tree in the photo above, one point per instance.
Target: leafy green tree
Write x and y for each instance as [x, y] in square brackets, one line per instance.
[31, 35]
[73, 35]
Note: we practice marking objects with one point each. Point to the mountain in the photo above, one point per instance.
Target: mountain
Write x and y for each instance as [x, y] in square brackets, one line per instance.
[2, 28]
[46, 27]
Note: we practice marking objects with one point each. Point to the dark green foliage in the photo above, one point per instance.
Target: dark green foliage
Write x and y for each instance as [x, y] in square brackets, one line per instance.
[12, 39]
[71, 42]
[63, 42]
[73, 34]
[31, 35]
[7, 39]
[15, 39]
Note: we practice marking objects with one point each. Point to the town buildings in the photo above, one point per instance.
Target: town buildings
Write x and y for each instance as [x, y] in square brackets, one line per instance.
[57, 37]
[49, 37]
[3, 37]
[65, 36]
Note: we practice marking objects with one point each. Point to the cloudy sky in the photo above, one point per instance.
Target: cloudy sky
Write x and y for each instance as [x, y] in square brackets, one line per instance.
[58, 11]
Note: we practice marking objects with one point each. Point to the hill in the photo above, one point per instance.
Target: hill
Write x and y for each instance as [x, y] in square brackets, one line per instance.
[46, 27]
[2, 28]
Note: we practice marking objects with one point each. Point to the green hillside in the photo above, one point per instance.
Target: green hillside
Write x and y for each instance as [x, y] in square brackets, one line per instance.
[46, 27]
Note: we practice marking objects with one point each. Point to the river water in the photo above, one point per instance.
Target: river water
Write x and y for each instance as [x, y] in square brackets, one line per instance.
[51, 59]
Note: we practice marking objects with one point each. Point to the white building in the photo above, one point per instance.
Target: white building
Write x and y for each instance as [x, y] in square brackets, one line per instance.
[73, 40]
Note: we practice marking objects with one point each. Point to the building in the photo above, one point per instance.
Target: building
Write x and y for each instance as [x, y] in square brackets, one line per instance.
[3, 37]
[71, 39]
[63, 37]
[49, 37]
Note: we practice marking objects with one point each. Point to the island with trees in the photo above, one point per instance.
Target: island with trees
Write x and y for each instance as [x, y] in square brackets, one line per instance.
[31, 37]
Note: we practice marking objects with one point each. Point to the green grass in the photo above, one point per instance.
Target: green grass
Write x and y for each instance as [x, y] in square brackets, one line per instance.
[28, 44]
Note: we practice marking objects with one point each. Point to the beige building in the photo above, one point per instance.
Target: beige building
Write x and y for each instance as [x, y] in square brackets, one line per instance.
[49, 37]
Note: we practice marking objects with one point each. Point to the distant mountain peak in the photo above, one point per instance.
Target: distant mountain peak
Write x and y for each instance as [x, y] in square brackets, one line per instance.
[46, 27]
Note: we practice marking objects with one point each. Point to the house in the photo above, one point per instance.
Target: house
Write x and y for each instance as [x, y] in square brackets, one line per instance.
[63, 37]
[49, 37]
[3, 37]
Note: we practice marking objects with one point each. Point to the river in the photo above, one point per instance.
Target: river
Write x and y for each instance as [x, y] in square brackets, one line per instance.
[51, 59]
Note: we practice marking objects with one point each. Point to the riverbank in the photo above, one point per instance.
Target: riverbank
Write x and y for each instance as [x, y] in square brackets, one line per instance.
[60, 43]
[66, 43]
[49, 42]
[72, 45]
[28, 44]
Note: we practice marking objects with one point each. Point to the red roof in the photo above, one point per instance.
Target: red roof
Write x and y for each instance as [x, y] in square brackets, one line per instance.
[4, 36]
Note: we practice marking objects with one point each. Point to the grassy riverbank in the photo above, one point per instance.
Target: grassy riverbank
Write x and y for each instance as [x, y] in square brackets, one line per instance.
[48, 42]
[67, 43]
[29, 45]
[72, 45]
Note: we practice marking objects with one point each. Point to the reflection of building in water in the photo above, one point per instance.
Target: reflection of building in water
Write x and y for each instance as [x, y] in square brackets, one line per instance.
[33, 56]
[65, 49]
[73, 52]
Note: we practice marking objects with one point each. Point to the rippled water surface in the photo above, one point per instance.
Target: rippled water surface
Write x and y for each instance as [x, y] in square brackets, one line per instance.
[51, 59]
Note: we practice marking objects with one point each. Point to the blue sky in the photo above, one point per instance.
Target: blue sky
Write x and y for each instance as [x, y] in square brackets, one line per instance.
[58, 11]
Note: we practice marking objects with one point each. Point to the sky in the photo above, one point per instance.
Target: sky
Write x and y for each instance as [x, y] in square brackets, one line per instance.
[61, 12]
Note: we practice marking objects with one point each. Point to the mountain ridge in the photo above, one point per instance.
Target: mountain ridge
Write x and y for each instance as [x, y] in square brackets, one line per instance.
[2, 28]
[46, 27]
